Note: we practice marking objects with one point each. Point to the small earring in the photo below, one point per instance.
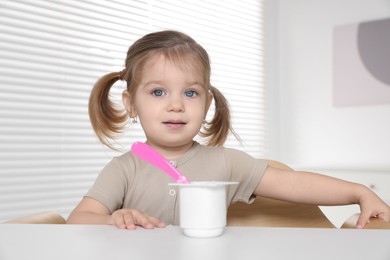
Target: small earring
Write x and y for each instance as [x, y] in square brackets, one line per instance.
[134, 120]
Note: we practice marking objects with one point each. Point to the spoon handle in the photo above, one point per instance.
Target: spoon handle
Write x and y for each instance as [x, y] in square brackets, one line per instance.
[147, 153]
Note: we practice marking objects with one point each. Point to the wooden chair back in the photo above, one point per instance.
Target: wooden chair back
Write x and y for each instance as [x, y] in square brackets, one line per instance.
[47, 217]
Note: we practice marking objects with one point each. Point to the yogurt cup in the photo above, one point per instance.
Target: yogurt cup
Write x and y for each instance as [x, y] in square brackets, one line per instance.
[203, 208]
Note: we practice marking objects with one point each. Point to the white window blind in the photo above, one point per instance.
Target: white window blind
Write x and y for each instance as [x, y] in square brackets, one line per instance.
[53, 51]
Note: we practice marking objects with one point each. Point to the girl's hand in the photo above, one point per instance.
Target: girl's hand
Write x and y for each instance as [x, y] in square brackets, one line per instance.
[131, 218]
[371, 206]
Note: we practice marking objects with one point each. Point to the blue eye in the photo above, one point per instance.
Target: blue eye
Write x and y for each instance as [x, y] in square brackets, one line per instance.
[190, 93]
[158, 92]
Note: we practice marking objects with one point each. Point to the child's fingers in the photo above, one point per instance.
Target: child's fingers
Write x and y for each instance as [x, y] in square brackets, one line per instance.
[362, 220]
[123, 219]
[149, 222]
[131, 218]
[141, 219]
[129, 222]
[119, 221]
[157, 222]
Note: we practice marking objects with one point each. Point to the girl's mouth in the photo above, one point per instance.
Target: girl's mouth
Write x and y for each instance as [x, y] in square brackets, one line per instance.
[174, 124]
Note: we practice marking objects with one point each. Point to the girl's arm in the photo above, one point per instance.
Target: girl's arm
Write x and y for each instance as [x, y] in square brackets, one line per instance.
[91, 211]
[312, 188]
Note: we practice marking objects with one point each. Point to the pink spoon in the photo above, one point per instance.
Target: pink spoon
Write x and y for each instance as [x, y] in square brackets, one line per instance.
[148, 154]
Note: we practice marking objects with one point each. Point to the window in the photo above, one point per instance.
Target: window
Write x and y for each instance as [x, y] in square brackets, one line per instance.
[51, 54]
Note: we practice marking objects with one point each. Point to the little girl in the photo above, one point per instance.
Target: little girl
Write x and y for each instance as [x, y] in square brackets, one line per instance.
[169, 93]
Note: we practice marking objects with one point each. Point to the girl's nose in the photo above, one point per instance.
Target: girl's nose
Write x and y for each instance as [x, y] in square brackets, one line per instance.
[176, 104]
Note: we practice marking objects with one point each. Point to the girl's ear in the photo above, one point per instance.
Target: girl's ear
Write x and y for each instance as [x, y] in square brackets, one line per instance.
[127, 102]
[210, 97]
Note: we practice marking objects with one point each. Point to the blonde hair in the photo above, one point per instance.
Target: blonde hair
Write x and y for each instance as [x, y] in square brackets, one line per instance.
[108, 119]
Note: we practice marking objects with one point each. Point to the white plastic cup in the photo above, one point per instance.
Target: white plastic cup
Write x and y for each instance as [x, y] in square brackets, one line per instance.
[203, 208]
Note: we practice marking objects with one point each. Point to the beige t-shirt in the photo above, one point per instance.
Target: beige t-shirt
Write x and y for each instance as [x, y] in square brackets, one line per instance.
[129, 182]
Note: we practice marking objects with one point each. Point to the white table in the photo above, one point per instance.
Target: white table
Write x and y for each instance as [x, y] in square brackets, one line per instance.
[71, 242]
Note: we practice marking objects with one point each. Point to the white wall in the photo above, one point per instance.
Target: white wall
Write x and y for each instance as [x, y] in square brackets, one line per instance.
[308, 132]
[311, 132]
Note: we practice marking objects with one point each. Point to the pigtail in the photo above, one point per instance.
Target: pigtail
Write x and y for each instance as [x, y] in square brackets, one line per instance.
[218, 128]
[106, 118]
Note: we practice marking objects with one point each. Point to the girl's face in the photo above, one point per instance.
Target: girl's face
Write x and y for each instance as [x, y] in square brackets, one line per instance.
[171, 104]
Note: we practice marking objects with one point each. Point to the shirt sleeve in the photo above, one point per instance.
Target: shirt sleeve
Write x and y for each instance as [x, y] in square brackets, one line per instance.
[110, 186]
[246, 170]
